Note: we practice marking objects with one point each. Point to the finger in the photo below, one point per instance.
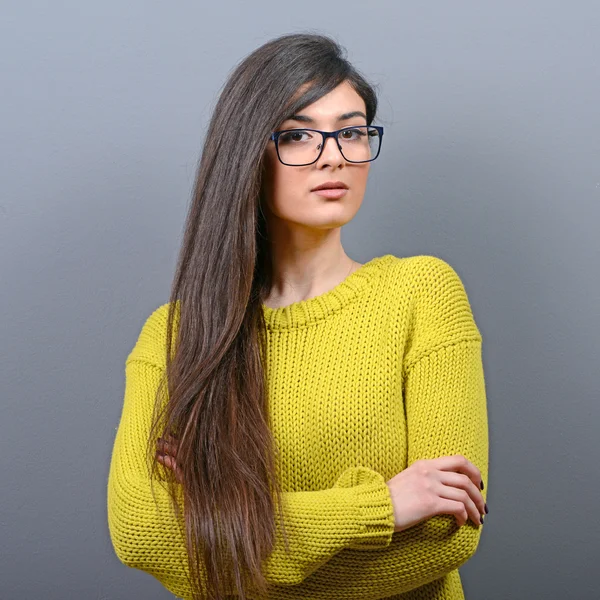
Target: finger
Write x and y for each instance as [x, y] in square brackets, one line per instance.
[452, 492]
[462, 481]
[166, 447]
[165, 459]
[460, 464]
[170, 463]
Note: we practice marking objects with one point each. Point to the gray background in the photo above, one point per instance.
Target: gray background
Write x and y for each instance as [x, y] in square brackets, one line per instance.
[491, 160]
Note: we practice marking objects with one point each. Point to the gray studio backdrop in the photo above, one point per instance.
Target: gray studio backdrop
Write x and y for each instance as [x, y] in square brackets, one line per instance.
[491, 160]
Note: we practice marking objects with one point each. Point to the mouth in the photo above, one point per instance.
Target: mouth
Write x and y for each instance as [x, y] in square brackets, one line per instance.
[331, 189]
[330, 185]
[331, 192]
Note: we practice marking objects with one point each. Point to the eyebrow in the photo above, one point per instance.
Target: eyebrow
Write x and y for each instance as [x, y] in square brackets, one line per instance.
[343, 117]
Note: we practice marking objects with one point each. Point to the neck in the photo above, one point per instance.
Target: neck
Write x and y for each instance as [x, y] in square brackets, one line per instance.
[304, 276]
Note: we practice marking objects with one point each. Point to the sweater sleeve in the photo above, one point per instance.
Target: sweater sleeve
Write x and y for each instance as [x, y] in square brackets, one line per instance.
[356, 512]
[446, 414]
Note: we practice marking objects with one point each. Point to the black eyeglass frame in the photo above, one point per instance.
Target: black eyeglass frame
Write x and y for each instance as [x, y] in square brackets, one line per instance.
[327, 134]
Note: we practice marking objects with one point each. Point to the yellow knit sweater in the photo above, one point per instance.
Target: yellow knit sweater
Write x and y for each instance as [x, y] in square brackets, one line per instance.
[379, 372]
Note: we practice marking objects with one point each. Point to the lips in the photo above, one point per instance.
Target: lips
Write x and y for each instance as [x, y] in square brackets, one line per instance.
[334, 193]
[331, 185]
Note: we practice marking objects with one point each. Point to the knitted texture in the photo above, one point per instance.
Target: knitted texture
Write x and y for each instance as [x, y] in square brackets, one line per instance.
[381, 371]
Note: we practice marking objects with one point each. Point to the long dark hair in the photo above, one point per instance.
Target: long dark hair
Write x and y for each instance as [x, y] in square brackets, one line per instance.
[215, 401]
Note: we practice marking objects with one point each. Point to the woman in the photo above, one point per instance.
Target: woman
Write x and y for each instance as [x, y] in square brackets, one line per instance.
[285, 378]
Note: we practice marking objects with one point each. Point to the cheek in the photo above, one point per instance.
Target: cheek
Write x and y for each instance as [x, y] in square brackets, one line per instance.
[289, 189]
[362, 174]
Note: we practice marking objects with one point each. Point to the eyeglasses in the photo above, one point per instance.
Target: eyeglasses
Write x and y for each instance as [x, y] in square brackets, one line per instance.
[300, 147]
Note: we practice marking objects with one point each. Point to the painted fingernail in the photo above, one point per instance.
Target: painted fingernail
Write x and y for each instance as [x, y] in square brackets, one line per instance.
[482, 519]
[486, 509]
[481, 484]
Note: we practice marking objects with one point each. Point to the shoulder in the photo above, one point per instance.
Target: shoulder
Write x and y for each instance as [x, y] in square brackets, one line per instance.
[151, 343]
[429, 279]
[438, 306]
[426, 270]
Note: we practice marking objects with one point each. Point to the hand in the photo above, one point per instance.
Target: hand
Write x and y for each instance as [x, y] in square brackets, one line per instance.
[166, 454]
[445, 485]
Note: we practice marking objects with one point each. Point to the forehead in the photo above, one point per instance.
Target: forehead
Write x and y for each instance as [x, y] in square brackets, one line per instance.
[341, 104]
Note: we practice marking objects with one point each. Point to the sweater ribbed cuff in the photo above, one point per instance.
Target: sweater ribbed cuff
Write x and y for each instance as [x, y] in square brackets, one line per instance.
[377, 513]
[374, 503]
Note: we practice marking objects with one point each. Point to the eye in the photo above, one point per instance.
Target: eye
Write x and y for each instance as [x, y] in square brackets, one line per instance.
[295, 136]
[352, 133]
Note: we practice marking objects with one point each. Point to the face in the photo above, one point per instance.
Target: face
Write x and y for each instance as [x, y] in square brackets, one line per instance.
[288, 199]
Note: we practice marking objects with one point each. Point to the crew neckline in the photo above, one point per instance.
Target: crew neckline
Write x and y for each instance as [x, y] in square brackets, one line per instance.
[317, 308]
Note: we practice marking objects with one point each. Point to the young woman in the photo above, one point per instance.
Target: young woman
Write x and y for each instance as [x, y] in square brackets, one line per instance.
[317, 427]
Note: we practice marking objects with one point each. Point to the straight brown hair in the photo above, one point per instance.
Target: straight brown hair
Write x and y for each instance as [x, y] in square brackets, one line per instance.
[215, 398]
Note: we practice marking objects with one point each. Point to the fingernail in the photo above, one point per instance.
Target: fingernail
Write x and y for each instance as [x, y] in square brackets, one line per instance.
[482, 519]
[486, 509]
[481, 484]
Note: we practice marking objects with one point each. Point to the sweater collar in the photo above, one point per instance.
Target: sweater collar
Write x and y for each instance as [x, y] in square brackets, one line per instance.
[318, 308]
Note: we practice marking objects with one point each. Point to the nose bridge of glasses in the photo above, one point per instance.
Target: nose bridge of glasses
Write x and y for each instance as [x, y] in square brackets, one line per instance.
[331, 134]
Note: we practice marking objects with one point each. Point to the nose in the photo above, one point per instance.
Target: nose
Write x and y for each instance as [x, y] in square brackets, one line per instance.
[331, 152]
